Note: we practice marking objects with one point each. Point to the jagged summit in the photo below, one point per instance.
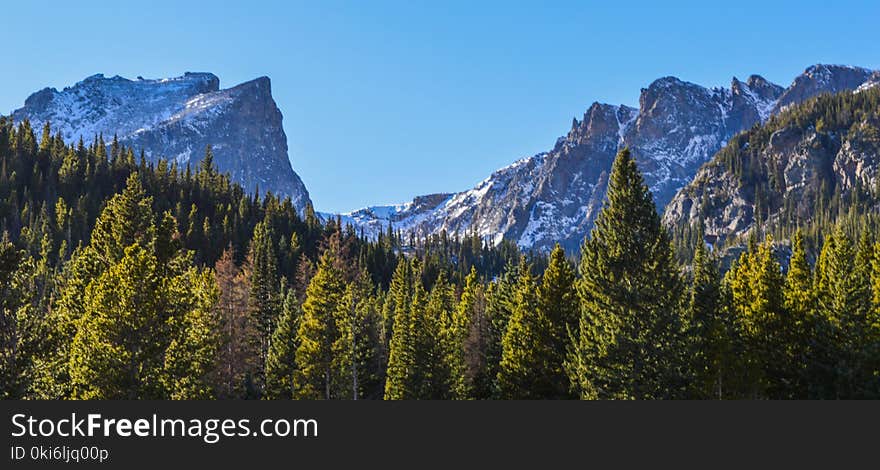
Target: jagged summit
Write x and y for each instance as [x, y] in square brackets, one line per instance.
[555, 196]
[176, 118]
[822, 78]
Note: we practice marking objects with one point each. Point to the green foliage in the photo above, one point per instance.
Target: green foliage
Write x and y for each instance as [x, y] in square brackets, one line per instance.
[826, 126]
[281, 358]
[467, 338]
[522, 371]
[264, 302]
[631, 335]
[711, 332]
[18, 331]
[358, 351]
[398, 320]
[316, 376]
[756, 289]
[106, 291]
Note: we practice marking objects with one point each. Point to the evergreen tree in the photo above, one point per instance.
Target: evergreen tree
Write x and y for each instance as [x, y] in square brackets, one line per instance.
[16, 321]
[558, 308]
[469, 342]
[800, 304]
[521, 373]
[191, 369]
[398, 317]
[756, 286]
[357, 351]
[281, 359]
[435, 333]
[117, 352]
[318, 331]
[631, 332]
[844, 300]
[263, 302]
[711, 330]
[500, 302]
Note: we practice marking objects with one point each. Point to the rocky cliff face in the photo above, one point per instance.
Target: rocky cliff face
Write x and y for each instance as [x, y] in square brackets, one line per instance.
[820, 78]
[556, 195]
[176, 118]
[793, 170]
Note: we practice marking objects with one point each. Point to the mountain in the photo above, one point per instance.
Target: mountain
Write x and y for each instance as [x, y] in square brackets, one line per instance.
[176, 118]
[556, 195]
[813, 164]
[821, 78]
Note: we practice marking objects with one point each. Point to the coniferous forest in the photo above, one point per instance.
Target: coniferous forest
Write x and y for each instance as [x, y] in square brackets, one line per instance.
[123, 279]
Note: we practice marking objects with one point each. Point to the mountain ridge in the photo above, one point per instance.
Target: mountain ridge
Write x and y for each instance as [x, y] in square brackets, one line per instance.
[555, 195]
[177, 118]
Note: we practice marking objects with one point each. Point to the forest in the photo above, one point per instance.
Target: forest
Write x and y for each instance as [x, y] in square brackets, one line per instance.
[126, 279]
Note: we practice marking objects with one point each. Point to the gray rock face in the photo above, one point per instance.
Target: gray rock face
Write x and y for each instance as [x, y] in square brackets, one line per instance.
[556, 196]
[176, 118]
[681, 125]
[799, 158]
[820, 78]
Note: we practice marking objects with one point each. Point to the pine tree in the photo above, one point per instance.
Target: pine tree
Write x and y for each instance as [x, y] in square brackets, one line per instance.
[127, 219]
[357, 351]
[756, 286]
[468, 342]
[800, 305]
[843, 298]
[868, 350]
[874, 317]
[263, 303]
[558, 307]
[436, 333]
[191, 369]
[318, 331]
[631, 331]
[16, 321]
[711, 330]
[500, 304]
[398, 318]
[117, 352]
[281, 359]
[521, 372]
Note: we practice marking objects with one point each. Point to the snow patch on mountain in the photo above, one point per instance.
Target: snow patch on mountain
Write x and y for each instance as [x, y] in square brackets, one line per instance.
[556, 196]
[177, 118]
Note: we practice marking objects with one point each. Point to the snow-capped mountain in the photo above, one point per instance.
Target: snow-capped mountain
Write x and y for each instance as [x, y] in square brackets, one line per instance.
[556, 195]
[176, 118]
[802, 160]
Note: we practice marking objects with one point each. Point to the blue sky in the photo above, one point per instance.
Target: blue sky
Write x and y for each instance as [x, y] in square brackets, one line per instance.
[383, 101]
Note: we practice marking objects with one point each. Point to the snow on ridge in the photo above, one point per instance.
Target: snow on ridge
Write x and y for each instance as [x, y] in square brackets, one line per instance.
[623, 126]
[104, 106]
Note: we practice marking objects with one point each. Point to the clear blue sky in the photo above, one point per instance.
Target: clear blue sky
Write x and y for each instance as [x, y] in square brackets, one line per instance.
[383, 101]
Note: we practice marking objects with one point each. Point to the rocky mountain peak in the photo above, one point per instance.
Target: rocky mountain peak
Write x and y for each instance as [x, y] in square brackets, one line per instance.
[763, 88]
[176, 118]
[556, 196]
[600, 121]
[822, 78]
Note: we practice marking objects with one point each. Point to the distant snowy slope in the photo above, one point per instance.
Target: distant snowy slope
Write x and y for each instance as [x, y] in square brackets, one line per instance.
[555, 196]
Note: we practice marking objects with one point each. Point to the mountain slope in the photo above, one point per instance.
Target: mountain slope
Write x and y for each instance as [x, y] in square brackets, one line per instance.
[176, 118]
[814, 163]
[556, 195]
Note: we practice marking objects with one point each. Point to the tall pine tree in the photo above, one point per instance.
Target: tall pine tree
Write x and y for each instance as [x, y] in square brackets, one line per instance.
[631, 332]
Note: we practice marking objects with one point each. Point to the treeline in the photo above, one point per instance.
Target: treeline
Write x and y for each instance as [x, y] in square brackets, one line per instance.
[281, 307]
[69, 214]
